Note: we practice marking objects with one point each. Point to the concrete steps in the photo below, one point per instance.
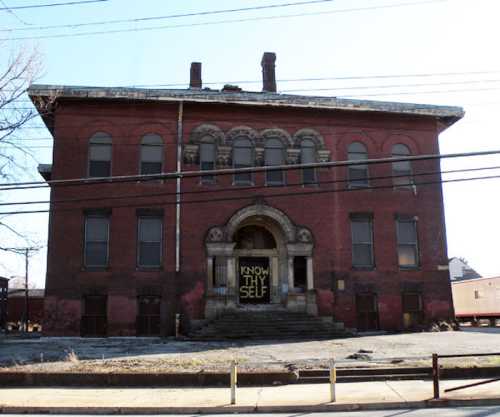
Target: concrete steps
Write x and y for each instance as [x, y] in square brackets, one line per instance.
[267, 325]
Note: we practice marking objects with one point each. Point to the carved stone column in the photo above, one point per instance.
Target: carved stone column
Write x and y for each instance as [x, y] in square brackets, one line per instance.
[291, 279]
[210, 273]
[232, 293]
[310, 273]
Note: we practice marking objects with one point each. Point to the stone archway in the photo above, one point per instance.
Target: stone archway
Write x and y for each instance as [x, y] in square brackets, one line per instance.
[224, 255]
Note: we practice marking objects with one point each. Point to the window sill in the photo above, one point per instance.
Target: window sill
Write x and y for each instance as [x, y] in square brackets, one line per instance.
[96, 268]
[409, 268]
[363, 268]
[149, 268]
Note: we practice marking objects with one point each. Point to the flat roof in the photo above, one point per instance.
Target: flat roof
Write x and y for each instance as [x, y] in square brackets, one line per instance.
[41, 93]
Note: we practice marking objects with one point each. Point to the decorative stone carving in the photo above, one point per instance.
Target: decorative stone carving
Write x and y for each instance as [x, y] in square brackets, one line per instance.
[280, 134]
[190, 154]
[259, 157]
[215, 234]
[224, 156]
[324, 155]
[304, 235]
[261, 210]
[205, 131]
[242, 131]
[311, 134]
[292, 156]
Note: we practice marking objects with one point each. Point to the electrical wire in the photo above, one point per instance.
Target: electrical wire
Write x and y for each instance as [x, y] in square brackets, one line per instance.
[244, 188]
[67, 3]
[172, 16]
[219, 22]
[231, 171]
[267, 196]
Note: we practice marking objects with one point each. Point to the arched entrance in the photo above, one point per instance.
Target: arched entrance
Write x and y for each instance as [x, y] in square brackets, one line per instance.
[259, 258]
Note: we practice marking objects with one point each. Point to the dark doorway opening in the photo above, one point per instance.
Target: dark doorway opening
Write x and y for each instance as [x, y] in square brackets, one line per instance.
[367, 312]
[94, 321]
[254, 278]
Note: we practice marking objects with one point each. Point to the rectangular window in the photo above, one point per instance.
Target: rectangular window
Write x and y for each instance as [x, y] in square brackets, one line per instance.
[407, 243]
[219, 271]
[150, 231]
[96, 241]
[207, 161]
[100, 160]
[362, 241]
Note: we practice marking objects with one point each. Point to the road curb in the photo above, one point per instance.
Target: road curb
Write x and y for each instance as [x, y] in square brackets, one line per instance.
[236, 409]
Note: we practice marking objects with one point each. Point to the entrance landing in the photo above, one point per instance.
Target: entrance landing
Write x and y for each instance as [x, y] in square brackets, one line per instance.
[267, 324]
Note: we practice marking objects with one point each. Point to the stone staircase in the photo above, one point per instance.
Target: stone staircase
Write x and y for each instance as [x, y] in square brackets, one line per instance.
[268, 325]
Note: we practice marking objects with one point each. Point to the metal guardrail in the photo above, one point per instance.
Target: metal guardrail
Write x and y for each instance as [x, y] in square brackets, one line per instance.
[436, 372]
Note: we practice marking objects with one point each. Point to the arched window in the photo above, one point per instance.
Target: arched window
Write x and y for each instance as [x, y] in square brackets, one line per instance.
[401, 171]
[358, 174]
[274, 155]
[242, 158]
[207, 158]
[308, 156]
[151, 154]
[100, 155]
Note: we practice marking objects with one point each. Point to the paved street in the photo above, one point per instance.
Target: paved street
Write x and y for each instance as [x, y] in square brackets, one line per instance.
[441, 412]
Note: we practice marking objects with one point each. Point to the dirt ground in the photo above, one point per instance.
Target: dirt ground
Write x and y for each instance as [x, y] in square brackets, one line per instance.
[169, 355]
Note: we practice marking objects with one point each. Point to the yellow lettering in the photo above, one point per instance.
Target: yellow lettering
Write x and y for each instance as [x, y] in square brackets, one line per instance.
[244, 292]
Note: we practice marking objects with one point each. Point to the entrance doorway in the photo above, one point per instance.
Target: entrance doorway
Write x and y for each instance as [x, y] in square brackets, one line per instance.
[254, 278]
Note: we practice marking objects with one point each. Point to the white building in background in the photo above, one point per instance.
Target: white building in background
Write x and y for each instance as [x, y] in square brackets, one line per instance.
[460, 270]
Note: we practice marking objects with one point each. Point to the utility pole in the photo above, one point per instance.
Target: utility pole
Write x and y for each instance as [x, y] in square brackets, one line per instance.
[26, 252]
[26, 290]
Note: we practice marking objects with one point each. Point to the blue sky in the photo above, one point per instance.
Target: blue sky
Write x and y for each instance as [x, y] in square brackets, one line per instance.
[430, 37]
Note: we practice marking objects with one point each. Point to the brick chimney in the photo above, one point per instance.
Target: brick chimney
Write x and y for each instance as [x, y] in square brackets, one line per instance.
[268, 73]
[195, 75]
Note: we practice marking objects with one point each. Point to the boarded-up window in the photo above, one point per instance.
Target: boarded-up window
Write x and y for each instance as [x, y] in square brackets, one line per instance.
[151, 154]
[362, 241]
[274, 155]
[150, 231]
[96, 240]
[367, 312]
[100, 149]
[242, 158]
[407, 243]
[94, 319]
[401, 171]
[148, 319]
[308, 156]
[358, 174]
[207, 160]
[413, 314]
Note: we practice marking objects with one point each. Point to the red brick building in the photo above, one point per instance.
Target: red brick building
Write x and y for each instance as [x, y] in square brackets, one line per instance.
[364, 244]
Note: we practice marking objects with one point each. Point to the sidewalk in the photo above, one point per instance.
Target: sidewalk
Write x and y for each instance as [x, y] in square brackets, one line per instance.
[310, 397]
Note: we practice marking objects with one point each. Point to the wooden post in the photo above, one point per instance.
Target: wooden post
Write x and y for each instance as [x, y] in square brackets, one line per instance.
[333, 380]
[234, 381]
[435, 374]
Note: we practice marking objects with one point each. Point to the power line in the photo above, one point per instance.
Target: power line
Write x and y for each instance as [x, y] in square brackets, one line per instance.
[267, 196]
[68, 3]
[372, 87]
[172, 16]
[351, 87]
[231, 171]
[245, 188]
[219, 22]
